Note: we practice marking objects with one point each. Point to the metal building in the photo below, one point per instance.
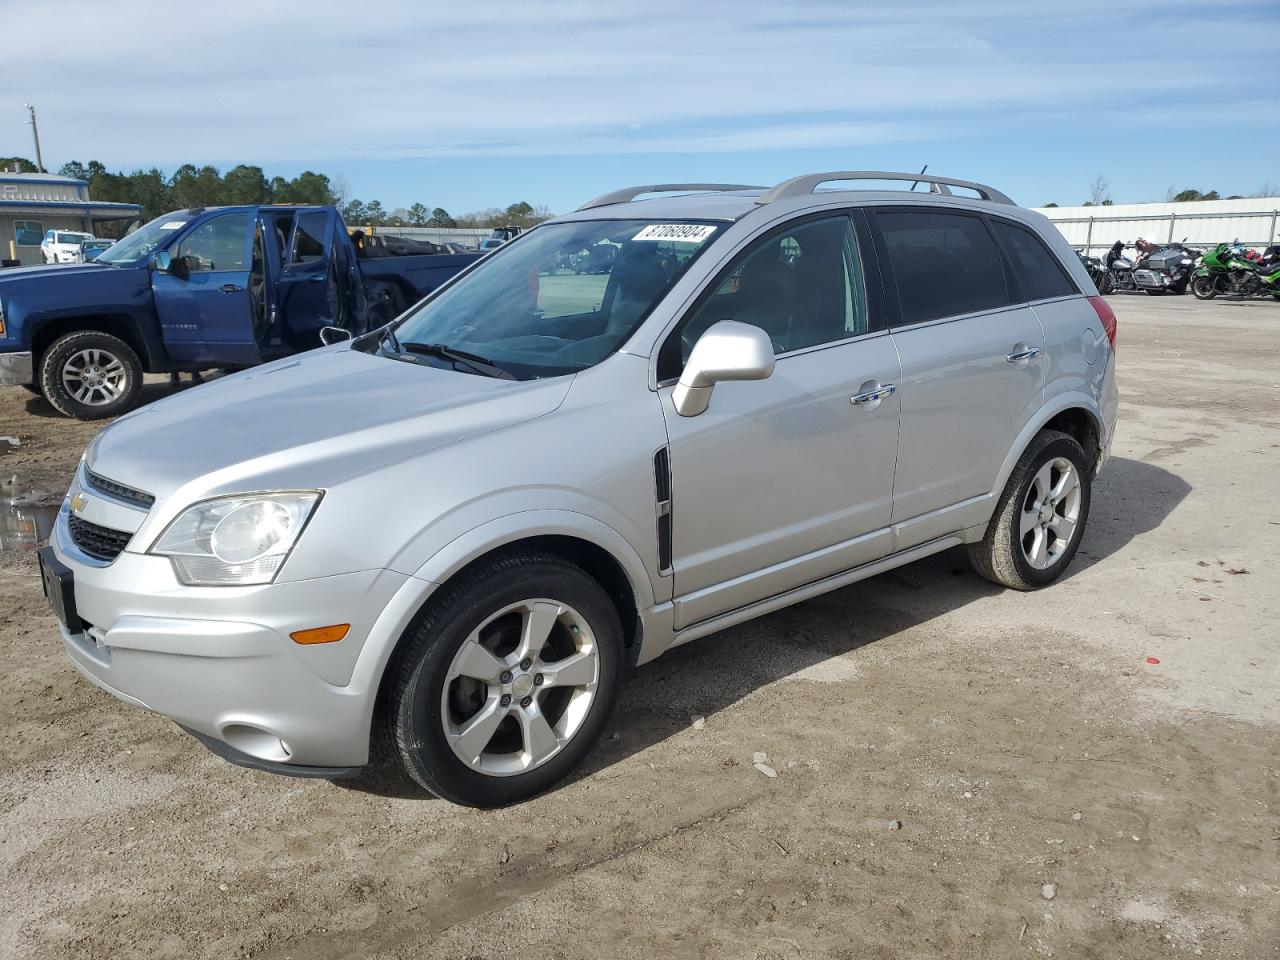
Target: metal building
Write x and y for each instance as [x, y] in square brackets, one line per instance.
[1252, 220]
[33, 203]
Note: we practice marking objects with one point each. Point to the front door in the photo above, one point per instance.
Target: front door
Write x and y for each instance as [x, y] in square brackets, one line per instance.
[204, 301]
[783, 481]
[972, 366]
[309, 295]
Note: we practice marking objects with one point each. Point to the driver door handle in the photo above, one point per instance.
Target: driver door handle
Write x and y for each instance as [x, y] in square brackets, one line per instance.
[1030, 353]
[229, 288]
[874, 395]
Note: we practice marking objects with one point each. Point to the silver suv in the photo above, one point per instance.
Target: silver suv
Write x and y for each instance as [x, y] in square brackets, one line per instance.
[462, 529]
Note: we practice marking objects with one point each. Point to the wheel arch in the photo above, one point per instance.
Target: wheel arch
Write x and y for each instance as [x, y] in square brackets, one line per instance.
[1075, 414]
[118, 324]
[583, 540]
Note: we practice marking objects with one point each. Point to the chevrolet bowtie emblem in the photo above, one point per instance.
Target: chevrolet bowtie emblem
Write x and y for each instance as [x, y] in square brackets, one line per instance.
[78, 502]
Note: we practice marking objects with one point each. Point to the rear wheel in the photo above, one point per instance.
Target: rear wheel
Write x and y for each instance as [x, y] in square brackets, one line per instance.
[1040, 518]
[507, 681]
[1104, 284]
[1204, 288]
[90, 375]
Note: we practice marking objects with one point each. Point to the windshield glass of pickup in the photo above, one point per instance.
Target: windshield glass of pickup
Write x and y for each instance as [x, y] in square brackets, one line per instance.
[144, 241]
[561, 298]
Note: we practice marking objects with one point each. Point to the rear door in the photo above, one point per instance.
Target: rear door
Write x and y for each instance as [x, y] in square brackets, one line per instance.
[204, 301]
[309, 294]
[972, 365]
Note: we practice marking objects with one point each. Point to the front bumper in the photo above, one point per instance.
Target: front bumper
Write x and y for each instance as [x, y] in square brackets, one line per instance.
[16, 369]
[220, 661]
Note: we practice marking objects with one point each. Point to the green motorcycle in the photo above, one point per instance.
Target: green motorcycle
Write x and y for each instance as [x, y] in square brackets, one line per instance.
[1225, 270]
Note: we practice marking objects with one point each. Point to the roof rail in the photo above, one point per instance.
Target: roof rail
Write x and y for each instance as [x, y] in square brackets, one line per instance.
[627, 194]
[809, 183]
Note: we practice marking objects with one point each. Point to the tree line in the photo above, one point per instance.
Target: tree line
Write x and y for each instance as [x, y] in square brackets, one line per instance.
[206, 186]
[1100, 194]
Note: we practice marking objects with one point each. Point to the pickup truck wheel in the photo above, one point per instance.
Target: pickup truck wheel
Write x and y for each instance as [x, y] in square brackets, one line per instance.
[507, 680]
[1040, 517]
[90, 375]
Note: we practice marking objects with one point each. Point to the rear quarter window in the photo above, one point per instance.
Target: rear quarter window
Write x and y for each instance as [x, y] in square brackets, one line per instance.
[1040, 276]
[944, 264]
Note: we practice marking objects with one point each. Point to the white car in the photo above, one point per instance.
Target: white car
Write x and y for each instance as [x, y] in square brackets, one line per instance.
[63, 246]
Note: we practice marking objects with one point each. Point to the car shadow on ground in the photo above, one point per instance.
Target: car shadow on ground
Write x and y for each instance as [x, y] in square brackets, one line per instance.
[708, 675]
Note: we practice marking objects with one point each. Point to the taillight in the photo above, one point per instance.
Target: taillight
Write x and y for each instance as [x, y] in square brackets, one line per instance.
[1106, 316]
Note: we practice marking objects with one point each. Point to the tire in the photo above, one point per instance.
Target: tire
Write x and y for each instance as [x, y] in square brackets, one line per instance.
[1204, 288]
[1155, 293]
[1104, 284]
[113, 371]
[475, 624]
[1003, 555]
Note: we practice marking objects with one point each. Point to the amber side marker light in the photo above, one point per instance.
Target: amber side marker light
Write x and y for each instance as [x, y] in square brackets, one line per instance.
[322, 634]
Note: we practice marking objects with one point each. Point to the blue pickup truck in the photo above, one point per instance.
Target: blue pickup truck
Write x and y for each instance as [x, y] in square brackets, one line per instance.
[203, 288]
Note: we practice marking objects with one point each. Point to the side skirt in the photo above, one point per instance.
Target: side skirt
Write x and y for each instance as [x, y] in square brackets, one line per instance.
[814, 589]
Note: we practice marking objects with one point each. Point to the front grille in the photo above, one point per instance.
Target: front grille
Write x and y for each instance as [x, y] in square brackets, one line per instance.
[118, 490]
[101, 543]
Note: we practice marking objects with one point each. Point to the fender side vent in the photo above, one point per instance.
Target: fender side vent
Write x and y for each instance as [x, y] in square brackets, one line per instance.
[662, 494]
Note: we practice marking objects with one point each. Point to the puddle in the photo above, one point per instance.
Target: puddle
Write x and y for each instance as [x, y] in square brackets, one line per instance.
[26, 516]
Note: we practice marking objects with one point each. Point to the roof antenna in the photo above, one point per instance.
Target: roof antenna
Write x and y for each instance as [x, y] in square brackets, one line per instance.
[917, 182]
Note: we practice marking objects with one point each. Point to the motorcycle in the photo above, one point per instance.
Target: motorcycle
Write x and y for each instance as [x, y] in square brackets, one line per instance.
[1093, 266]
[1164, 268]
[1225, 270]
[1117, 272]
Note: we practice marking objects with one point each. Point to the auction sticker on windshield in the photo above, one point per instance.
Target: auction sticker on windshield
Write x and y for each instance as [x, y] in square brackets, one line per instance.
[686, 232]
[173, 225]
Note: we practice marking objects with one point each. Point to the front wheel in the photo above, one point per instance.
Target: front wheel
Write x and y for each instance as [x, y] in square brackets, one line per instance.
[1204, 288]
[90, 375]
[506, 682]
[1040, 517]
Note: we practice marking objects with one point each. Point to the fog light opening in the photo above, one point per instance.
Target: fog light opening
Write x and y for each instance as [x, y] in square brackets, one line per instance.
[256, 742]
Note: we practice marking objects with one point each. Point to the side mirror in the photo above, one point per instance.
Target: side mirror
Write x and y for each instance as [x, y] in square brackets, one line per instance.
[332, 335]
[728, 350]
[162, 261]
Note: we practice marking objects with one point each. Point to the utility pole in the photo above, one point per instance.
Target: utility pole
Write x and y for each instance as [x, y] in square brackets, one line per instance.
[35, 132]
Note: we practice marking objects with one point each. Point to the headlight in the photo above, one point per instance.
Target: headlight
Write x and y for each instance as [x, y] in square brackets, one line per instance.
[235, 541]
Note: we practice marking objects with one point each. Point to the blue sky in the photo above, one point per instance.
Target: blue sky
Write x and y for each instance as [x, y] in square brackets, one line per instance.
[469, 105]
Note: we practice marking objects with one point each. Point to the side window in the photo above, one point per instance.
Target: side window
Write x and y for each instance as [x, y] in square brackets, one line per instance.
[802, 285]
[217, 244]
[308, 237]
[1039, 274]
[944, 264]
[27, 233]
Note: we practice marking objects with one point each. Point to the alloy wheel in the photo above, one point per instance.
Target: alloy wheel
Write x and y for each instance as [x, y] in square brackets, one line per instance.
[1050, 513]
[95, 377]
[520, 687]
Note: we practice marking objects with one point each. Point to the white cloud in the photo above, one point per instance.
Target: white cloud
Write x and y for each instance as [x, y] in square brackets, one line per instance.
[331, 80]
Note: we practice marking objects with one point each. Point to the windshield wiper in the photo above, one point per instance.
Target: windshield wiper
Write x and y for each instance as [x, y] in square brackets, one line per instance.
[474, 361]
[395, 341]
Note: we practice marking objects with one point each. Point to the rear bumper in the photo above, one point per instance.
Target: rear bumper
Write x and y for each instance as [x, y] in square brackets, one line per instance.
[16, 369]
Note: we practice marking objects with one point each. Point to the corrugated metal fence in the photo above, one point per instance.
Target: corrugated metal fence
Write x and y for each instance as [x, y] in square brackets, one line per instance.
[1253, 221]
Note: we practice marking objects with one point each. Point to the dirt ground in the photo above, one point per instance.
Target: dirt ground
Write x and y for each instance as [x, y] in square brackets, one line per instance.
[1058, 794]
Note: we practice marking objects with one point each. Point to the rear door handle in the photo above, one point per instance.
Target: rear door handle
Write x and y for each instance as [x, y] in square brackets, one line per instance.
[229, 288]
[874, 395]
[1029, 353]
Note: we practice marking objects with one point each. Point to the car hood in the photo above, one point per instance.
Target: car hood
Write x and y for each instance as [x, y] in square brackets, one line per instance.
[61, 289]
[306, 422]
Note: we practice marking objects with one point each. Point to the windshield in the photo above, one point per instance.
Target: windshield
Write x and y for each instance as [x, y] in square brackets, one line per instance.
[71, 237]
[562, 297]
[144, 241]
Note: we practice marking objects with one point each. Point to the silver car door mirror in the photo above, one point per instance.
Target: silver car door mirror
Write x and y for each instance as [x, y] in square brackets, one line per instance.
[332, 335]
[162, 261]
[728, 350]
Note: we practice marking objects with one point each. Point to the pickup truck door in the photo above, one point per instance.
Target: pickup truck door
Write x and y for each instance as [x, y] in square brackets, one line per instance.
[310, 295]
[203, 301]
